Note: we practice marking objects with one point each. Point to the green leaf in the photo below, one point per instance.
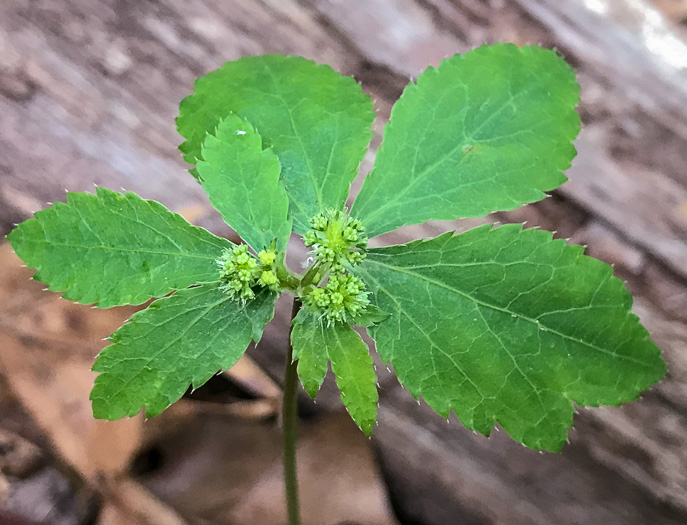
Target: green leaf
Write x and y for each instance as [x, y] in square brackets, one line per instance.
[314, 342]
[370, 316]
[113, 249]
[177, 341]
[508, 325]
[353, 368]
[317, 122]
[486, 131]
[242, 181]
[307, 340]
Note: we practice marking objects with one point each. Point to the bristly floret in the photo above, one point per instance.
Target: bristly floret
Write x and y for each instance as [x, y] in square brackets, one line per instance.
[337, 239]
[240, 272]
[267, 269]
[341, 300]
[237, 272]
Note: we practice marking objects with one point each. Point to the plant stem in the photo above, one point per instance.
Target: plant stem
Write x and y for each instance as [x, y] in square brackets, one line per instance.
[290, 429]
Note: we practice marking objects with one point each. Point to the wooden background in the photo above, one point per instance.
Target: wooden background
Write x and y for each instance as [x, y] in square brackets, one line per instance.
[88, 93]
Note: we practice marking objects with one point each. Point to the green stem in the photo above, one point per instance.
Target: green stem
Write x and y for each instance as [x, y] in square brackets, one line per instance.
[287, 280]
[290, 429]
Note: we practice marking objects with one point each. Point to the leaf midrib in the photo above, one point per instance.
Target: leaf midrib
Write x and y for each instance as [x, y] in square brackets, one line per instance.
[297, 136]
[360, 392]
[506, 311]
[125, 250]
[466, 139]
[430, 340]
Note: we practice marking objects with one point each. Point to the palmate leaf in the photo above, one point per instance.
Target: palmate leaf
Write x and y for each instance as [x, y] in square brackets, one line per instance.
[317, 122]
[177, 341]
[315, 342]
[490, 130]
[242, 181]
[508, 325]
[113, 249]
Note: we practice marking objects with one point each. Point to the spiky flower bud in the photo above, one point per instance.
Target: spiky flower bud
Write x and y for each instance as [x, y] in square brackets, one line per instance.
[240, 272]
[340, 300]
[319, 222]
[337, 239]
[237, 272]
[267, 257]
[269, 279]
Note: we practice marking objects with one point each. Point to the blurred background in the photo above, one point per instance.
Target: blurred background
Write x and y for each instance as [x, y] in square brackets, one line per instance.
[88, 93]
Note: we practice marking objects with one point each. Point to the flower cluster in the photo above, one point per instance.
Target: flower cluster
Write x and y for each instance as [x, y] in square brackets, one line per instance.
[338, 242]
[240, 272]
[337, 239]
[341, 299]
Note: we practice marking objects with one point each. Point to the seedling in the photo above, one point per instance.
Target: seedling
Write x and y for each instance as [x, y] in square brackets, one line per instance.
[497, 324]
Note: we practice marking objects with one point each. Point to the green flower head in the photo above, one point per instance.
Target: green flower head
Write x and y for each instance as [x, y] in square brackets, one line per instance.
[237, 272]
[337, 239]
[241, 273]
[341, 300]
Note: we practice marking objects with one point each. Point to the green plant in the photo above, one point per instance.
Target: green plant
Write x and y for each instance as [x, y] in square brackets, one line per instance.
[497, 324]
